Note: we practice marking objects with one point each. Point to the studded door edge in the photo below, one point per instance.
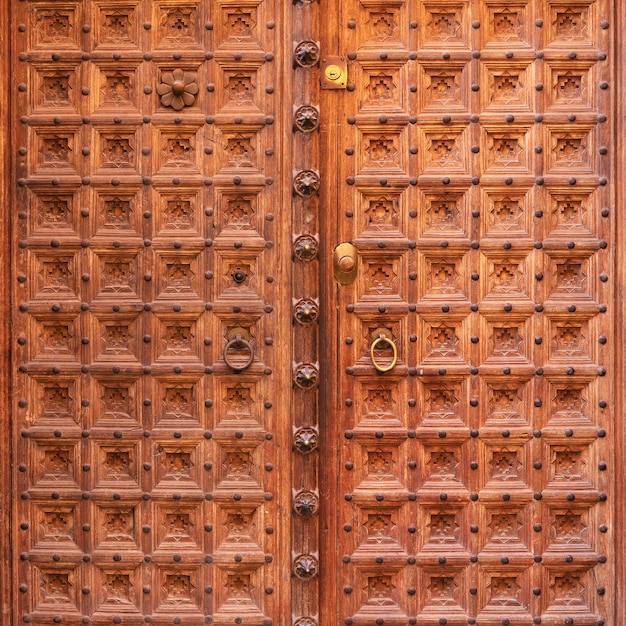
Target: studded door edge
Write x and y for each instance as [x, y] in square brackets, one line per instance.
[476, 188]
[151, 451]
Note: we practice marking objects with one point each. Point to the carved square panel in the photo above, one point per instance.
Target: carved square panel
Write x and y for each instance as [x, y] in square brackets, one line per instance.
[568, 530]
[56, 88]
[177, 25]
[176, 150]
[378, 469]
[54, 152]
[509, 23]
[379, 406]
[238, 531]
[237, 26]
[443, 277]
[569, 85]
[178, 590]
[115, 276]
[115, 150]
[177, 471]
[570, 403]
[379, 278]
[445, 86]
[381, 213]
[54, 529]
[569, 592]
[508, 531]
[54, 277]
[506, 150]
[178, 277]
[506, 277]
[571, 277]
[442, 593]
[505, 403]
[56, 339]
[116, 467]
[571, 341]
[239, 472]
[118, 88]
[441, 467]
[56, 27]
[508, 86]
[444, 529]
[506, 467]
[379, 87]
[444, 150]
[116, 528]
[381, 152]
[443, 340]
[54, 400]
[570, 150]
[176, 402]
[238, 212]
[116, 214]
[381, 26]
[178, 213]
[506, 592]
[56, 589]
[445, 25]
[572, 214]
[178, 337]
[569, 466]
[237, 590]
[571, 24]
[238, 276]
[178, 529]
[378, 529]
[371, 330]
[442, 402]
[238, 148]
[505, 213]
[54, 465]
[239, 405]
[442, 215]
[115, 339]
[505, 341]
[380, 593]
[240, 93]
[117, 591]
[54, 212]
[117, 404]
[116, 26]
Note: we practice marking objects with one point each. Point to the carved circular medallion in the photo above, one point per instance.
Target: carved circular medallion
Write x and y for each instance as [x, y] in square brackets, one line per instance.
[305, 621]
[306, 54]
[305, 440]
[306, 376]
[305, 247]
[178, 89]
[306, 118]
[306, 183]
[306, 311]
[305, 503]
[305, 566]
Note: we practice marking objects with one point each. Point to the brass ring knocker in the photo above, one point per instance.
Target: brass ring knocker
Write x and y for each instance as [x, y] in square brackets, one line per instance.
[238, 342]
[383, 339]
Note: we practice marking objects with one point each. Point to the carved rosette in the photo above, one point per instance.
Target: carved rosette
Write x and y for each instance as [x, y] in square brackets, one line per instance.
[306, 311]
[305, 566]
[305, 440]
[305, 247]
[305, 503]
[178, 89]
[306, 118]
[305, 621]
[306, 376]
[306, 54]
[306, 183]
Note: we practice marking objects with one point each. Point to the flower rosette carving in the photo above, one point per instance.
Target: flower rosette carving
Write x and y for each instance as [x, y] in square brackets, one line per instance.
[306, 311]
[306, 118]
[306, 54]
[305, 440]
[306, 183]
[306, 621]
[305, 566]
[306, 376]
[178, 89]
[306, 247]
[305, 503]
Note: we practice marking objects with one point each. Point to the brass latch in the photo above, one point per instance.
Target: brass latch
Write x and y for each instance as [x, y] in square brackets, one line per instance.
[345, 265]
[334, 73]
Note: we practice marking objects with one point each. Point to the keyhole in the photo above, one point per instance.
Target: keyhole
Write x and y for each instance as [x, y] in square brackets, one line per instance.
[239, 276]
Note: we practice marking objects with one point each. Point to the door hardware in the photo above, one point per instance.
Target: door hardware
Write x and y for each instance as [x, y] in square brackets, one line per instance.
[345, 263]
[238, 342]
[334, 73]
[382, 340]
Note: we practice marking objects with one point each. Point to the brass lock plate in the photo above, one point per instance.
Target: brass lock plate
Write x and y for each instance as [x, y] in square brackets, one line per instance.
[345, 263]
[334, 73]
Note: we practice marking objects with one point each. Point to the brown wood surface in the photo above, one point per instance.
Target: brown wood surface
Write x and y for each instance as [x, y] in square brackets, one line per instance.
[194, 431]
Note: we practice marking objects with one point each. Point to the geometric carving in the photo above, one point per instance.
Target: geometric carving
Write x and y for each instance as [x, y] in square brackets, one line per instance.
[506, 25]
[240, 24]
[117, 25]
[381, 213]
[442, 342]
[569, 340]
[570, 24]
[178, 25]
[381, 89]
[506, 213]
[117, 150]
[443, 213]
[56, 26]
[505, 465]
[117, 88]
[381, 279]
[444, 25]
[178, 150]
[443, 88]
[441, 403]
[380, 150]
[505, 150]
[240, 89]
[441, 464]
[383, 26]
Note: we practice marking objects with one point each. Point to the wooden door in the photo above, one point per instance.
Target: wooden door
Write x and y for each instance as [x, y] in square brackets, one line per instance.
[208, 418]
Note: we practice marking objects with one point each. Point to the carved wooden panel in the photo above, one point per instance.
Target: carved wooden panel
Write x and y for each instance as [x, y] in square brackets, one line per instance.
[473, 476]
[151, 444]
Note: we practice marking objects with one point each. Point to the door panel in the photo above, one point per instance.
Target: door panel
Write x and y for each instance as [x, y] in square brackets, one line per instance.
[472, 482]
[147, 407]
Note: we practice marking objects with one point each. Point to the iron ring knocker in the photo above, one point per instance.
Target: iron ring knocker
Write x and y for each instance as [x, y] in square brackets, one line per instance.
[238, 342]
[383, 339]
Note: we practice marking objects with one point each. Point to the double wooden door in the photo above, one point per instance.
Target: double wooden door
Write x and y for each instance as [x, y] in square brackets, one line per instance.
[215, 412]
